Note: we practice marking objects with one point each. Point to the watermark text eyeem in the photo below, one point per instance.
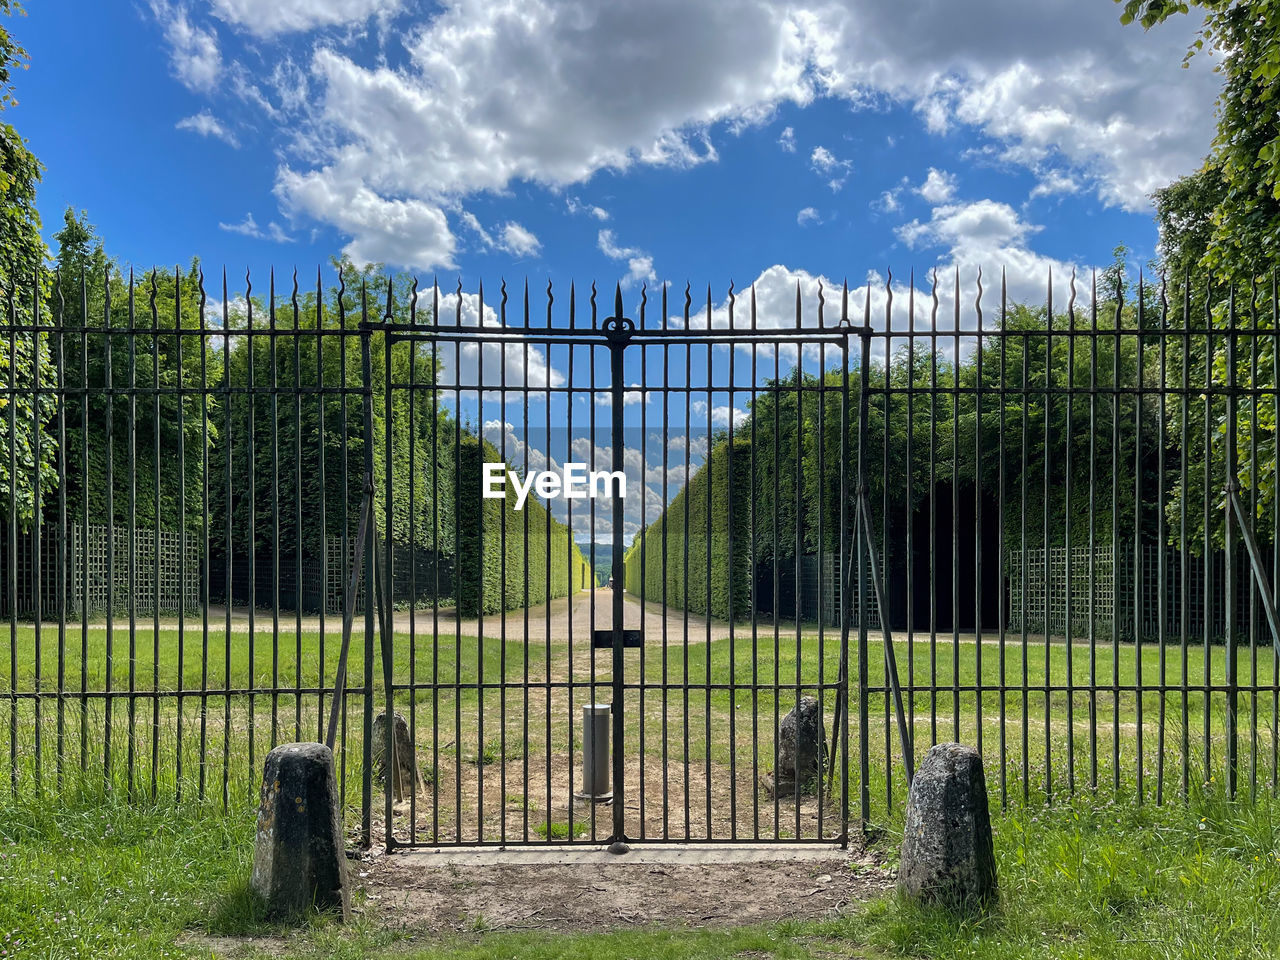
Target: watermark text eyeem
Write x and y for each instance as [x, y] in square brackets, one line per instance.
[573, 482]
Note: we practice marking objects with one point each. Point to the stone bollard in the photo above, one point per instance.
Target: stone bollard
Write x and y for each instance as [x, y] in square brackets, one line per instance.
[407, 780]
[298, 857]
[802, 747]
[947, 853]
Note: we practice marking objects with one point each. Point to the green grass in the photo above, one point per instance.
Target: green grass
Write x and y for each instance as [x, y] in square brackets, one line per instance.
[94, 876]
[459, 724]
[266, 657]
[87, 872]
[559, 831]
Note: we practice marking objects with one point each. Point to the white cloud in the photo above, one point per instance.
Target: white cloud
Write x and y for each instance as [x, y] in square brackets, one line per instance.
[193, 51]
[808, 215]
[248, 227]
[518, 241]
[207, 125]
[938, 187]
[721, 413]
[486, 94]
[990, 236]
[888, 201]
[983, 222]
[475, 363]
[576, 206]
[1052, 182]
[468, 218]
[639, 263]
[824, 162]
[383, 230]
[268, 17]
[787, 140]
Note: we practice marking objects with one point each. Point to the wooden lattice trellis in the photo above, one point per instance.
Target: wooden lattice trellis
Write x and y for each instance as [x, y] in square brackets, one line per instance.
[88, 564]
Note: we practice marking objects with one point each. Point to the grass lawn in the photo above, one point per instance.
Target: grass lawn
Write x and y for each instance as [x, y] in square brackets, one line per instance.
[93, 876]
[730, 694]
[90, 873]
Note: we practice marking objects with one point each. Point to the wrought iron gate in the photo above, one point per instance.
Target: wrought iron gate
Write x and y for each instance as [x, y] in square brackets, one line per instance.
[699, 682]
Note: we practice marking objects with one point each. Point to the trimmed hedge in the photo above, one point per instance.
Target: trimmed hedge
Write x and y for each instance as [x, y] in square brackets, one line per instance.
[727, 480]
[480, 544]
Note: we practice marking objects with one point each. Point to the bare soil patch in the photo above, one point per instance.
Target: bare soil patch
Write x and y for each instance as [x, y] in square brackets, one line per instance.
[615, 894]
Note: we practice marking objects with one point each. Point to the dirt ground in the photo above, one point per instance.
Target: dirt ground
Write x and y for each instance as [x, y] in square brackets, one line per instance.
[596, 892]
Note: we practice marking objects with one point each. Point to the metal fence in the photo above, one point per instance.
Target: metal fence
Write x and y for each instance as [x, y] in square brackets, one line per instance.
[928, 443]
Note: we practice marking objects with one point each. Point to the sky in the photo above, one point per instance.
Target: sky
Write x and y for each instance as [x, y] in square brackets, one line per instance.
[640, 142]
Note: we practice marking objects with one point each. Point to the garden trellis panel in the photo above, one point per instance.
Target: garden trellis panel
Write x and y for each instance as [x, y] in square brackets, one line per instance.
[975, 434]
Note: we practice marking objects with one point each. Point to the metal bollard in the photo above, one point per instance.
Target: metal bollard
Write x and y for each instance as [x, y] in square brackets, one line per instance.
[595, 752]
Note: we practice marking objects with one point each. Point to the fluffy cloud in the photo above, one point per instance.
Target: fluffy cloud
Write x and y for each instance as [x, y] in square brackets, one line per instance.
[248, 227]
[1050, 182]
[268, 17]
[207, 125]
[984, 222]
[539, 91]
[193, 50]
[938, 186]
[518, 241]
[825, 162]
[485, 364]
[576, 206]
[808, 215]
[989, 236]
[639, 263]
[787, 139]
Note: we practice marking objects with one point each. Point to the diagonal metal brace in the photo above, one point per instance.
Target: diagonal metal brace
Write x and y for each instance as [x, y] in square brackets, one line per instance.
[349, 612]
[1255, 562]
[905, 737]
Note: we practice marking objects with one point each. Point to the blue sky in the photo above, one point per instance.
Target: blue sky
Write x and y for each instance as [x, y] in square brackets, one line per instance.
[635, 141]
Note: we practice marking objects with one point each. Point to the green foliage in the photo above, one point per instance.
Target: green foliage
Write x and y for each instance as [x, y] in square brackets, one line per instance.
[1226, 216]
[268, 467]
[1002, 402]
[717, 500]
[132, 438]
[494, 571]
[24, 286]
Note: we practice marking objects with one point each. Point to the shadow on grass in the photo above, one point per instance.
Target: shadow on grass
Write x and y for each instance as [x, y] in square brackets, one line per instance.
[240, 911]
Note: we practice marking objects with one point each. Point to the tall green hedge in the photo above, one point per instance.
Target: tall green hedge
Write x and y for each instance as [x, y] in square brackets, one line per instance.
[725, 481]
[481, 544]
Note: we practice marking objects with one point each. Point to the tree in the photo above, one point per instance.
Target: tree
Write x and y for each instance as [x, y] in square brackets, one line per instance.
[270, 444]
[149, 428]
[1220, 234]
[27, 469]
[1239, 186]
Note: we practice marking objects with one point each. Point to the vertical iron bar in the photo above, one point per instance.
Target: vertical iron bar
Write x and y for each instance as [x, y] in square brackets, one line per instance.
[1229, 540]
[132, 449]
[60, 322]
[1093, 524]
[1138, 585]
[370, 572]
[616, 386]
[864, 726]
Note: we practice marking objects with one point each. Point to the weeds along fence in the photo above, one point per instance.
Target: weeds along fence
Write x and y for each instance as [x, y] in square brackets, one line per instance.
[930, 442]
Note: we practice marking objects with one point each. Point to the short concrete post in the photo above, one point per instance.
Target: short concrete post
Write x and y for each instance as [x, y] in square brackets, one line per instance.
[948, 857]
[802, 750]
[407, 779]
[298, 857]
[595, 751]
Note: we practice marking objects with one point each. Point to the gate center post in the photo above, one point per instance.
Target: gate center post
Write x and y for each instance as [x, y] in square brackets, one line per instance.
[618, 329]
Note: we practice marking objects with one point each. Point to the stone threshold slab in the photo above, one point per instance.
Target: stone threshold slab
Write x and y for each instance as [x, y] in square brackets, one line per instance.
[683, 854]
